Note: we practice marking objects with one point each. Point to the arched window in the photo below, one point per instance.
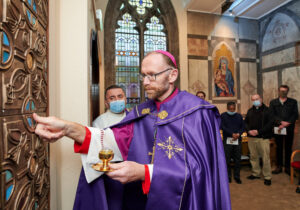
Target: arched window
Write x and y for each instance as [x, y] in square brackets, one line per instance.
[132, 29]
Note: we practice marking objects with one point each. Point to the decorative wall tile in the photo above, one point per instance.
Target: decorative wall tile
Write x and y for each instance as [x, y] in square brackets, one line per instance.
[198, 76]
[278, 58]
[247, 50]
[197, 47]
[248, 84]
[270, 86]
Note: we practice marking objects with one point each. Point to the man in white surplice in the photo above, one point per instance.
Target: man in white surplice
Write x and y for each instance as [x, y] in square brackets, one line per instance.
[115, 103]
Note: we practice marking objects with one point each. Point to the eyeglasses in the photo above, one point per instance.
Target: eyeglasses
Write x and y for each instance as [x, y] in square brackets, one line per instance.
[153, 76]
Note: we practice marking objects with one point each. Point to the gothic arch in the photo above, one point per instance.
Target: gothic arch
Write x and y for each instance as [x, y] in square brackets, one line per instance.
[281, 29]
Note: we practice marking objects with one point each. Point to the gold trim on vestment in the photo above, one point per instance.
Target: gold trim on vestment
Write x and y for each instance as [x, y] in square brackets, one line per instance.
[182, 113]
[163, 114]
[185, 163]
[137, 111]
[146, 111]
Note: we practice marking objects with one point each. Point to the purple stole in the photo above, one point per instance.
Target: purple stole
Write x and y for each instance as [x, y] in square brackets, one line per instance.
[189, 164]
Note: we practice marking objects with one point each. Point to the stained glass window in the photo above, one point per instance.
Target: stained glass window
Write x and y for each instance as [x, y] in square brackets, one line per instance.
[129, 44]
[141, 5]
[127, 58]
[155, 38]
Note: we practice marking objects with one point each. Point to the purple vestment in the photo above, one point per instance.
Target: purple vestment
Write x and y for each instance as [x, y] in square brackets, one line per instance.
[189, 164]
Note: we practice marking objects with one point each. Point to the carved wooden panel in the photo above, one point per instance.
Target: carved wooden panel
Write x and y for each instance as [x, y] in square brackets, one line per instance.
[24, 167]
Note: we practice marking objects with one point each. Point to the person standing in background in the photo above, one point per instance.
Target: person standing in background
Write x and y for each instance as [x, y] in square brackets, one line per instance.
[232, 125]
[285, 112]
[115, 103]
[201, 94]
[259, 124]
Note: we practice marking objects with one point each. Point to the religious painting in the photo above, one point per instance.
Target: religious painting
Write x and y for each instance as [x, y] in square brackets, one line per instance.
[281, 30]
[224, 79]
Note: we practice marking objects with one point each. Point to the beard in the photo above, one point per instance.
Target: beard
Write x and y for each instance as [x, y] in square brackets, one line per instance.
[156, 91]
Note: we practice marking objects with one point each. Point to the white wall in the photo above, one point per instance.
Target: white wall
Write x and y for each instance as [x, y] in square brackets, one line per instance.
[68, 91]
[70, 22]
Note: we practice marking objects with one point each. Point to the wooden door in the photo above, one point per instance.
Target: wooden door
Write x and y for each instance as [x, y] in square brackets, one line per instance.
[24, 168]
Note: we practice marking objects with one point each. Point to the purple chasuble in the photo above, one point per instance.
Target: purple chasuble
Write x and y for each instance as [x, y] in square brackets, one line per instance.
[189, 165]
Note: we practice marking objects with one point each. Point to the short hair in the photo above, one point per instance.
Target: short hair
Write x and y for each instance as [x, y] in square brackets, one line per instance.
[113, 87]
[230, 103]
[168, 60]
[201, 92]
[284, 86]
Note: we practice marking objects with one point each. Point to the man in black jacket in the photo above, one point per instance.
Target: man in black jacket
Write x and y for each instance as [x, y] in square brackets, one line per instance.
[285, 112]
[232, 125]
[259, 124]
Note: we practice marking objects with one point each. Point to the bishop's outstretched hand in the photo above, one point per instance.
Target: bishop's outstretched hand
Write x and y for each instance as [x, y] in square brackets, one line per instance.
[52, 128]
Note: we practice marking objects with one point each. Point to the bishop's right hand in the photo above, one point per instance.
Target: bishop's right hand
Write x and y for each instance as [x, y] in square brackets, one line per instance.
[49, 128]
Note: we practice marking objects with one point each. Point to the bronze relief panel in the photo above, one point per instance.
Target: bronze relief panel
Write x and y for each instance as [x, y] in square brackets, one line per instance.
[24, 167]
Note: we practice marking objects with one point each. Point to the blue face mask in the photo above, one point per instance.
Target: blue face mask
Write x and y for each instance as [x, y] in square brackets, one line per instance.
[117, 106]
[230, 113]
[256, 103]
